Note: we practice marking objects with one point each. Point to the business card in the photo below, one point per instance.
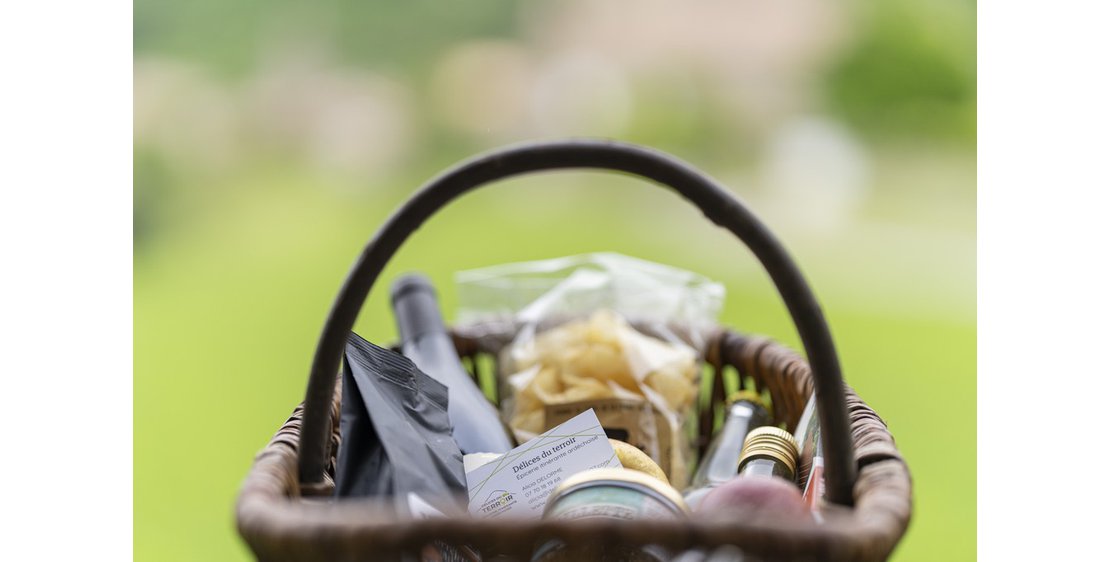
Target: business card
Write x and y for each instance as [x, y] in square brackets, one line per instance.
[519, 482]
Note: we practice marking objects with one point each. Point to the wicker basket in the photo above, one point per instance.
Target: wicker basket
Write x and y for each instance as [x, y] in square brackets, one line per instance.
[285, 510]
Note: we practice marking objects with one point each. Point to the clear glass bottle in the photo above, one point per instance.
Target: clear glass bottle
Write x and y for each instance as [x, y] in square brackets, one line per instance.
[745, 412]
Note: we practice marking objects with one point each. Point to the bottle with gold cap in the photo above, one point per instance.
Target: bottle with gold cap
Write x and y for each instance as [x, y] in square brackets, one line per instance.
[764, 480]
[769, 451]
[746, 411]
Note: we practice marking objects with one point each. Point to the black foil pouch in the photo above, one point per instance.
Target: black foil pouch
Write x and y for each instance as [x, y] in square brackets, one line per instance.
[396, 437]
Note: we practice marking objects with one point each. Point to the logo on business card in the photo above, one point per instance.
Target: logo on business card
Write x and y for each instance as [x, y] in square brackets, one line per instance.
[497, 502]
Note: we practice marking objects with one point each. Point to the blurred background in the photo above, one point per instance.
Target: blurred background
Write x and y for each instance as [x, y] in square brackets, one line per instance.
[272, 138]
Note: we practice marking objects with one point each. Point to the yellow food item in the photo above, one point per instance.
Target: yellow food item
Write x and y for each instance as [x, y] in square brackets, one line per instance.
[635, 459]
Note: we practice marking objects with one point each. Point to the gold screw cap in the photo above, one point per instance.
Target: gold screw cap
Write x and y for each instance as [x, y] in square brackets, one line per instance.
[770, 442]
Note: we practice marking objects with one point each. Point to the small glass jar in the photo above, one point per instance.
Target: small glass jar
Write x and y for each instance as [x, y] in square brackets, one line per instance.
[610, 493]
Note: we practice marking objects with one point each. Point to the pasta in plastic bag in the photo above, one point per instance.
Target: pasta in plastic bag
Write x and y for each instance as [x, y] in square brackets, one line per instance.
[600, 331]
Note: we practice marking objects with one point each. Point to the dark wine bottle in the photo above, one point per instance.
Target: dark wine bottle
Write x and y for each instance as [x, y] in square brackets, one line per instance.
[424, 340]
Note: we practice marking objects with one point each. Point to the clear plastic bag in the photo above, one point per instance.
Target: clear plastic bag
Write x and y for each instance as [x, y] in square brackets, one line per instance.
[601, 331]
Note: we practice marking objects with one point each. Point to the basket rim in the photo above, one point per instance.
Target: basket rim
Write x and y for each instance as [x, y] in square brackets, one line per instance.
[281, 518]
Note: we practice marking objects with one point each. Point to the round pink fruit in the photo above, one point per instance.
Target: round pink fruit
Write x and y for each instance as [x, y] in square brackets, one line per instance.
[765, 495]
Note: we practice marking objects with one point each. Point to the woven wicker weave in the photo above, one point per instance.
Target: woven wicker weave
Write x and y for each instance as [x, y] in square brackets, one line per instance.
[285, 511]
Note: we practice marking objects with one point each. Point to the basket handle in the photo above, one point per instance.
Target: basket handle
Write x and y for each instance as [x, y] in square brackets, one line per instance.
[714, 201]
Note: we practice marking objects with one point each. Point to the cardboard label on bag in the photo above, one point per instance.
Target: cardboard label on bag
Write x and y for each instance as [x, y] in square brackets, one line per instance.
[634, 421]
[519, 482]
